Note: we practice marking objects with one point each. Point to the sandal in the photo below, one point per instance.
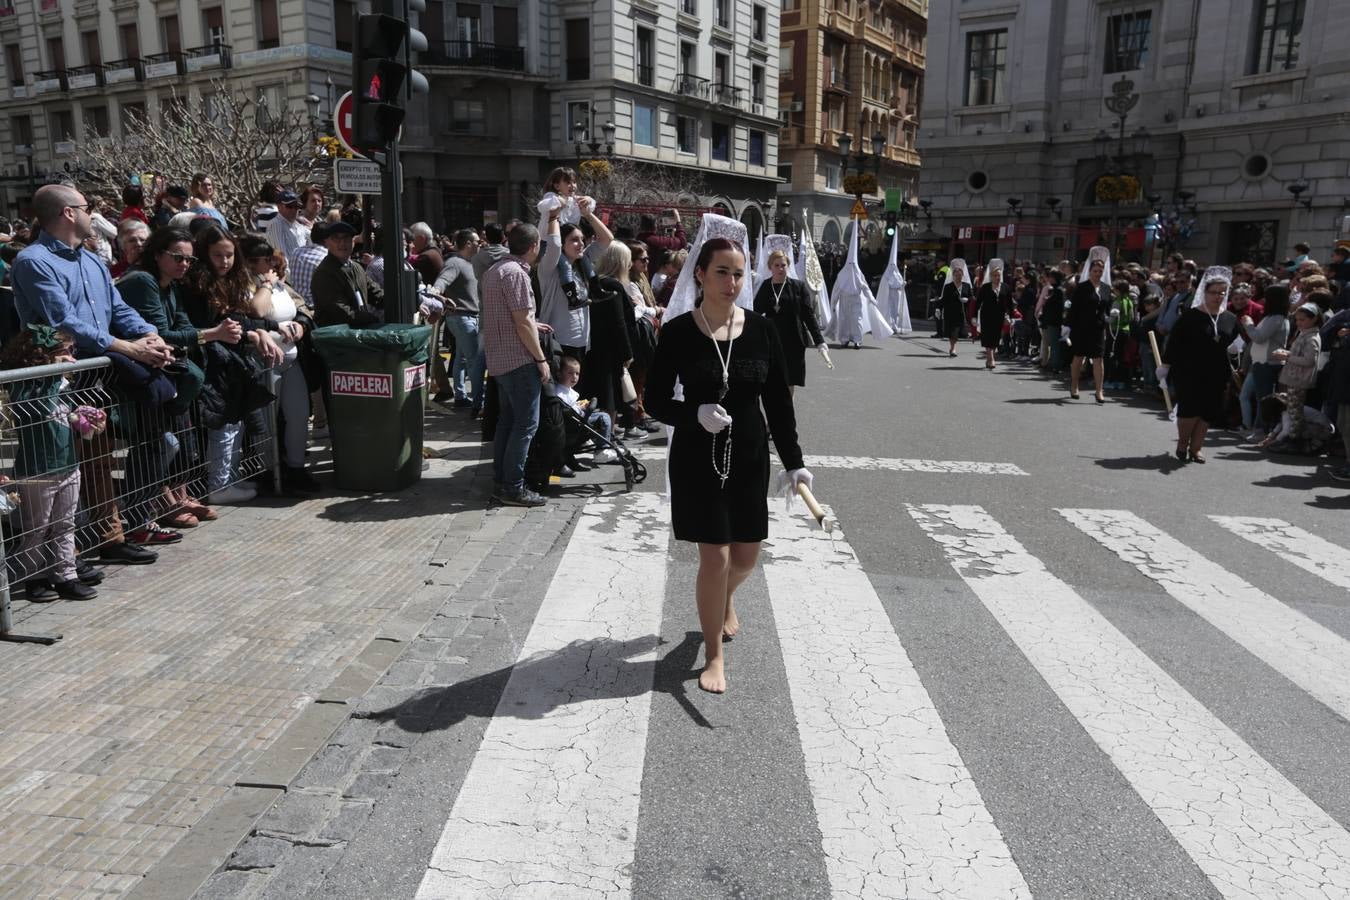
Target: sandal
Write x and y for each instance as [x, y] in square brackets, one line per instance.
[199, 510]
[179, 519]
[1197, 457]
[1181, 452]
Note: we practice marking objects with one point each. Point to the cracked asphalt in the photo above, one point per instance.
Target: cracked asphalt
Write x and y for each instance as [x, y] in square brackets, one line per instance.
[1128, 715]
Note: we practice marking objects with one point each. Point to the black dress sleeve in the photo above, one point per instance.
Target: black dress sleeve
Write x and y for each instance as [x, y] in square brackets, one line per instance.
[1178, 342]
[763, 303]
[808, 308]
[776, 397]
[658, 396]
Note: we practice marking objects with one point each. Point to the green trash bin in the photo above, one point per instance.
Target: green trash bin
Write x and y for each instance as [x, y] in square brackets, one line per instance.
[374, 395]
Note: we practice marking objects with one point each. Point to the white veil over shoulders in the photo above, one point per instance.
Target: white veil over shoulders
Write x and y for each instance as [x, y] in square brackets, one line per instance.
[686, 286]
[767, 245]
[893, 300]
[810, 272]
[1095, 253]
[1214, 273]
[958, 263]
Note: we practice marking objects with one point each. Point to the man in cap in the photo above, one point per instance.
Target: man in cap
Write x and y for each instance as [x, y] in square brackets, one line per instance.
[175, 202]
[286, 232]
[343, 294]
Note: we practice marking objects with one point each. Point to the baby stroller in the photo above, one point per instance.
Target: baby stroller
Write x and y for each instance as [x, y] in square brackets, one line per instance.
[634, 472]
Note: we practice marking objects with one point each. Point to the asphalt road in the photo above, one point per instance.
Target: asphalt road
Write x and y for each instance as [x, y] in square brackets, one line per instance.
[1081, 670]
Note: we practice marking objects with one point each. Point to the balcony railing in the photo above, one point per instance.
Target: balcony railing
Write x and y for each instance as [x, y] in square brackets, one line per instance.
[49, 81]
[837, 81]
[692, 86]
[211, 56]
[474, 55]
[83, 77]
[727, 95]
[645, 75]
[164, 65]
[122, 71]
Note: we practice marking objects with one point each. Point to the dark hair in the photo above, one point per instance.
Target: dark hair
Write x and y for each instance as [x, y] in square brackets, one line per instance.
[269, 191]
[562, 173]
[522, 238]
[195, 185]
[463, 236]
[1302, 247]
[646, 223]
[133, 195]
[566, 360]
[161, 239]
[1321, 298]
[1276, 300]
[196, 226]
[312, 189]
[624, 233]
[21, 353]
[713, 247]
[493, 234]
[223, 293]
[1055, 276]
[255, 246]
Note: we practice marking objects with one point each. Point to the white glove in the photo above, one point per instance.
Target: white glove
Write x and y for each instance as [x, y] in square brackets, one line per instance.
[713, 417]
[1064, 332]
[825, 355]
[1162, 372]
[786, 483]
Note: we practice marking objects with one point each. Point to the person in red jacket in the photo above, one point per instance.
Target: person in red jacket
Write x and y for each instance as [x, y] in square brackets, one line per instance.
[661, 244]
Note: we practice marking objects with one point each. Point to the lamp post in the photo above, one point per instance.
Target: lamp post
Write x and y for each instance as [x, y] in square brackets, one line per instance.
[1122, 101]
[861, 160]
[783, 217]
[582, 144]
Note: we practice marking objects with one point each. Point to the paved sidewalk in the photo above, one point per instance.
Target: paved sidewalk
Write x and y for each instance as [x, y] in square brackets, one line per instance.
[185, 699]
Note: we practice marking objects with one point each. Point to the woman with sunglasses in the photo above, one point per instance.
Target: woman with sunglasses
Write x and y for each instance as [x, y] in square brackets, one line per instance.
[151, 288]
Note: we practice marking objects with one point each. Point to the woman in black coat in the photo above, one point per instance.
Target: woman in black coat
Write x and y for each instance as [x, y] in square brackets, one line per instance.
[785, 302]
[955, 295]
[612, 317]
[1085, 314]
[1196, 356]
[991, 305]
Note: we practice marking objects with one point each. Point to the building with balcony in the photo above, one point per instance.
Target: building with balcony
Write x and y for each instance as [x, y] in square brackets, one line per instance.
[1236, 133]
[847, 67]
[75, 69]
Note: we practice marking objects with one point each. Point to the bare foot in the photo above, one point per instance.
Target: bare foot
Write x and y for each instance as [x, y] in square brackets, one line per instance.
[712, 679]
[731, 624]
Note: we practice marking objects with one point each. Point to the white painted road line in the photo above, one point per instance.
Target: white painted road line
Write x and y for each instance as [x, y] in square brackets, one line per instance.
[1251, 832]
[927, 466]
[549, 807]
[1302, 548]
[1310, 655]
[898, 812]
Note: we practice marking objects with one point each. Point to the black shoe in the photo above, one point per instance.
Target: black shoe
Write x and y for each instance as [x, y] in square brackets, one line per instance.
[463, 403]
[127, 554]
[442, 397]
[39, 590]
[73, 590]
[300, 481]
[577, 465]
[522, 497]
[87, 573]
[565, 471]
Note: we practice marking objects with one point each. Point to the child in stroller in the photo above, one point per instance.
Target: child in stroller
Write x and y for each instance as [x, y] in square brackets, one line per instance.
[582, 414]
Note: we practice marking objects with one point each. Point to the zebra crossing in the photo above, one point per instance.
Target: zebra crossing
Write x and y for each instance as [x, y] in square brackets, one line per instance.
[550, 805]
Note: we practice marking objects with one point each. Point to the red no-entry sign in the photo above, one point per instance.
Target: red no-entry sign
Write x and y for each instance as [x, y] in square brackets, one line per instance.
[342, 123]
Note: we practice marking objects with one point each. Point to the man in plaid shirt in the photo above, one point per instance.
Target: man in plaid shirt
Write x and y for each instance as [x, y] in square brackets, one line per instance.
[516, 363]
[300, 267]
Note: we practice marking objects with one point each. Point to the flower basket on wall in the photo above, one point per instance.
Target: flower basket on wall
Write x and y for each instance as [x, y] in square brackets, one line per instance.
[1116, 189]
[860, 184]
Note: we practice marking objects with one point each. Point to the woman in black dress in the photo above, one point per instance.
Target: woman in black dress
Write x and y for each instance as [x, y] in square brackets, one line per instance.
[991, 306]
[783, 301]
[1196, 355]
[729, 361]
[955, 295]
[1085, 314]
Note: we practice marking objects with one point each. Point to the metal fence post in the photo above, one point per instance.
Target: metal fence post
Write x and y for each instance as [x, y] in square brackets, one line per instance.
[7, 632]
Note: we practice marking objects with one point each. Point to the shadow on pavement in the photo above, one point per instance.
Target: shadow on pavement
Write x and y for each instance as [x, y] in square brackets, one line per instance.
[1165, 463]
[552, 676]
[1039, 401]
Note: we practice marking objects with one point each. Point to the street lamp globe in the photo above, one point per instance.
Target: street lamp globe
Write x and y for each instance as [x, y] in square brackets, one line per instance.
[608, 129]
[578, 131]
[878, 143]
[845, 144]
[1140, 140]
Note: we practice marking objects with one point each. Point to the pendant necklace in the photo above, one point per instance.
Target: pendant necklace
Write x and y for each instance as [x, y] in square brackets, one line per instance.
[722, 465]
[777, 293]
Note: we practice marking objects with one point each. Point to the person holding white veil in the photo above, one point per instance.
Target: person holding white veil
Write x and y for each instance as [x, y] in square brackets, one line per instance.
[893, 299]
[855, 309]
[956, 294]
[992, 301]
[728, 363]
[1196, 356]
[784, 302]
[1085, 317]
[812, 275]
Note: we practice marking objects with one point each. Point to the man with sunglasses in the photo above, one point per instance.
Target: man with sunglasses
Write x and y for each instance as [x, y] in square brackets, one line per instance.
[59, 283]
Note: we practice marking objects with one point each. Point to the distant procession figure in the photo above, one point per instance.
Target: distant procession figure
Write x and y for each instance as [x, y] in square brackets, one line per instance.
[785, 303]
[991, 305]
[892, 298]
[956, 294]
[855, 308]
[1196, 356]
[1085, 314]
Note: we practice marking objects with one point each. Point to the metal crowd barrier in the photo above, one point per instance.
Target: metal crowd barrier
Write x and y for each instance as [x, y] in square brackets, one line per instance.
[128, 471]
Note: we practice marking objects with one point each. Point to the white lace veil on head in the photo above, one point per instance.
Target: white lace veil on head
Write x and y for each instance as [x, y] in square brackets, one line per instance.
[1095, 253]
[770, 243]
[994, 265]
[1214, 273]
[952, 266]
[686, 286]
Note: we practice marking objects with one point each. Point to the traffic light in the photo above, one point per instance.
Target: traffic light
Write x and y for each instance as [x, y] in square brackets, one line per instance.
[891, 217]
[382, 75]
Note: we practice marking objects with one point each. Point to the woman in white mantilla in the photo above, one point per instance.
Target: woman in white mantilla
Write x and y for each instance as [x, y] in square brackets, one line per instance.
[785, 302]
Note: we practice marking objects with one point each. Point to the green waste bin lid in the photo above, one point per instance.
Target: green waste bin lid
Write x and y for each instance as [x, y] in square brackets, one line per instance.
[407, 339]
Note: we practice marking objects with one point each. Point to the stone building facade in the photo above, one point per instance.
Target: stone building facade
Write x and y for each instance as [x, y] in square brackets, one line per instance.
[847, 67]
[1238, 101]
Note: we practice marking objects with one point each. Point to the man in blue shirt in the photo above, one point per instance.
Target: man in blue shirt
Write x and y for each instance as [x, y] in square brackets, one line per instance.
[57, 282]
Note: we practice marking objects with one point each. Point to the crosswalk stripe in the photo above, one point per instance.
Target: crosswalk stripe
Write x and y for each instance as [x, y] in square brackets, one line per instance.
[549, 806]
[926, 466]
[1302, 548]
[885, 778]
[1310, 655]
[1250, 831]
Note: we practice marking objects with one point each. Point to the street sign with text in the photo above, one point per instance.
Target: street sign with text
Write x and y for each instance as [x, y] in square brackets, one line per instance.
[357, 176]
